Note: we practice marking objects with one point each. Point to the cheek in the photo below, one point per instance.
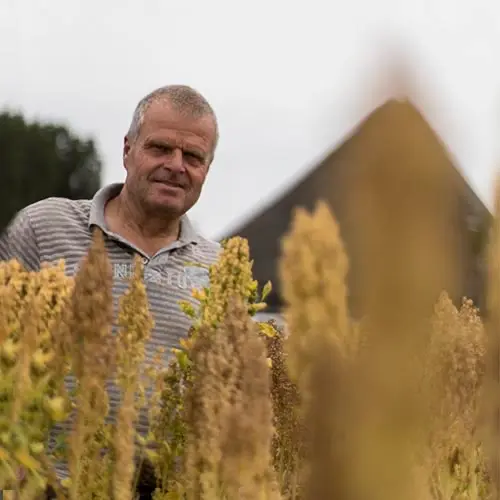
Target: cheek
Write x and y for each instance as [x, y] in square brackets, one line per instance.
[198, 178]
[139, 166]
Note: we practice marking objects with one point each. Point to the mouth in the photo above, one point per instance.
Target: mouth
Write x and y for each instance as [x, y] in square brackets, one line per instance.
[169, 184]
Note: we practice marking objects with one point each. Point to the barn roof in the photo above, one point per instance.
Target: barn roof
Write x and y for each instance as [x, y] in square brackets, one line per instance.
[379, 130]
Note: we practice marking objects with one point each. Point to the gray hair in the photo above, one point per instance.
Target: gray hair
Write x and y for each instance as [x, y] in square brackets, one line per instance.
[182, 97]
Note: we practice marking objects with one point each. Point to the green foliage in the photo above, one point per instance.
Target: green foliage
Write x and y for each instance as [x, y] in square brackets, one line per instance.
[42, 160]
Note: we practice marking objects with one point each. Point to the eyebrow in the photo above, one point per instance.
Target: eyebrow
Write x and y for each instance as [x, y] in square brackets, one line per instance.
[158, 142]
[194, 150]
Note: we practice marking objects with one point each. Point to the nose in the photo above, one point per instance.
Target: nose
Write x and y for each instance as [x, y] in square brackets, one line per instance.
[175, 161]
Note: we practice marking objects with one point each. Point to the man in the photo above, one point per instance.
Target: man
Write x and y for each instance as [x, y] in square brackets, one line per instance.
[167, 154]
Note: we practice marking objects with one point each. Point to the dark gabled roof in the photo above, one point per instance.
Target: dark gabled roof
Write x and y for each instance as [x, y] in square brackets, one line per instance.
[381, 130]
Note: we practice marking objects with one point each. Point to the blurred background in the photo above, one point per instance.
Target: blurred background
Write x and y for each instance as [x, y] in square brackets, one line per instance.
[291, 82]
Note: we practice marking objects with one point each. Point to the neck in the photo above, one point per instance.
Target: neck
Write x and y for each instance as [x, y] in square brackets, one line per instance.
[131, 219]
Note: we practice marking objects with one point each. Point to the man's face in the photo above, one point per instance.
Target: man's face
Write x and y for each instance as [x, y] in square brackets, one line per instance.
[168, 161]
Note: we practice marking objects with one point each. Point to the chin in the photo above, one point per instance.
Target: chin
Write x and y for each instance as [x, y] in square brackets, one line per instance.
[168, 208]
[163, 206]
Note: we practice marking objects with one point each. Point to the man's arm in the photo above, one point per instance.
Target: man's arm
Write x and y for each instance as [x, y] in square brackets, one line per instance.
[18, 241]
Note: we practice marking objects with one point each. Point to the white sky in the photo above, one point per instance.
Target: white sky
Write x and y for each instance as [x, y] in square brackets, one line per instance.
[288, 79]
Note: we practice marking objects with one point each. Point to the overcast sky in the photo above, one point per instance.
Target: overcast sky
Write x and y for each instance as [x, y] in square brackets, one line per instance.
[287, 78]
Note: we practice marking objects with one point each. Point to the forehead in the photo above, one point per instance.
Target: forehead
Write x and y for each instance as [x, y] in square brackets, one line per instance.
[162, 121]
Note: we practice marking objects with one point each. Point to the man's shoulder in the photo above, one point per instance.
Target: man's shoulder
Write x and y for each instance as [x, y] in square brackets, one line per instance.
[38, 228]
[55, 211]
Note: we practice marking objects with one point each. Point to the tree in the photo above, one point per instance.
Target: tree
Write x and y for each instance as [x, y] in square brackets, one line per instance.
[39, 160]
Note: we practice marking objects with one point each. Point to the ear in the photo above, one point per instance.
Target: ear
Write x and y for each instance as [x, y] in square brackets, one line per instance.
[126, 150]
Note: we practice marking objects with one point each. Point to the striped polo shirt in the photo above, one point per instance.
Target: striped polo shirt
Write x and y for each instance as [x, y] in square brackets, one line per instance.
[59, 228]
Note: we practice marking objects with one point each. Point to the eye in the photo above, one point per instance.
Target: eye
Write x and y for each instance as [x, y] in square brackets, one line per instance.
[194, 157]
[159, 148]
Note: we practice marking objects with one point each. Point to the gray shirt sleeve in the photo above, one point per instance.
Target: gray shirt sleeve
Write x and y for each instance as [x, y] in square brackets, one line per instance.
[19, 242]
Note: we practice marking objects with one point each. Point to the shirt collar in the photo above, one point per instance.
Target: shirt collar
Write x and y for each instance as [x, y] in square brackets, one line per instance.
[188, 233]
